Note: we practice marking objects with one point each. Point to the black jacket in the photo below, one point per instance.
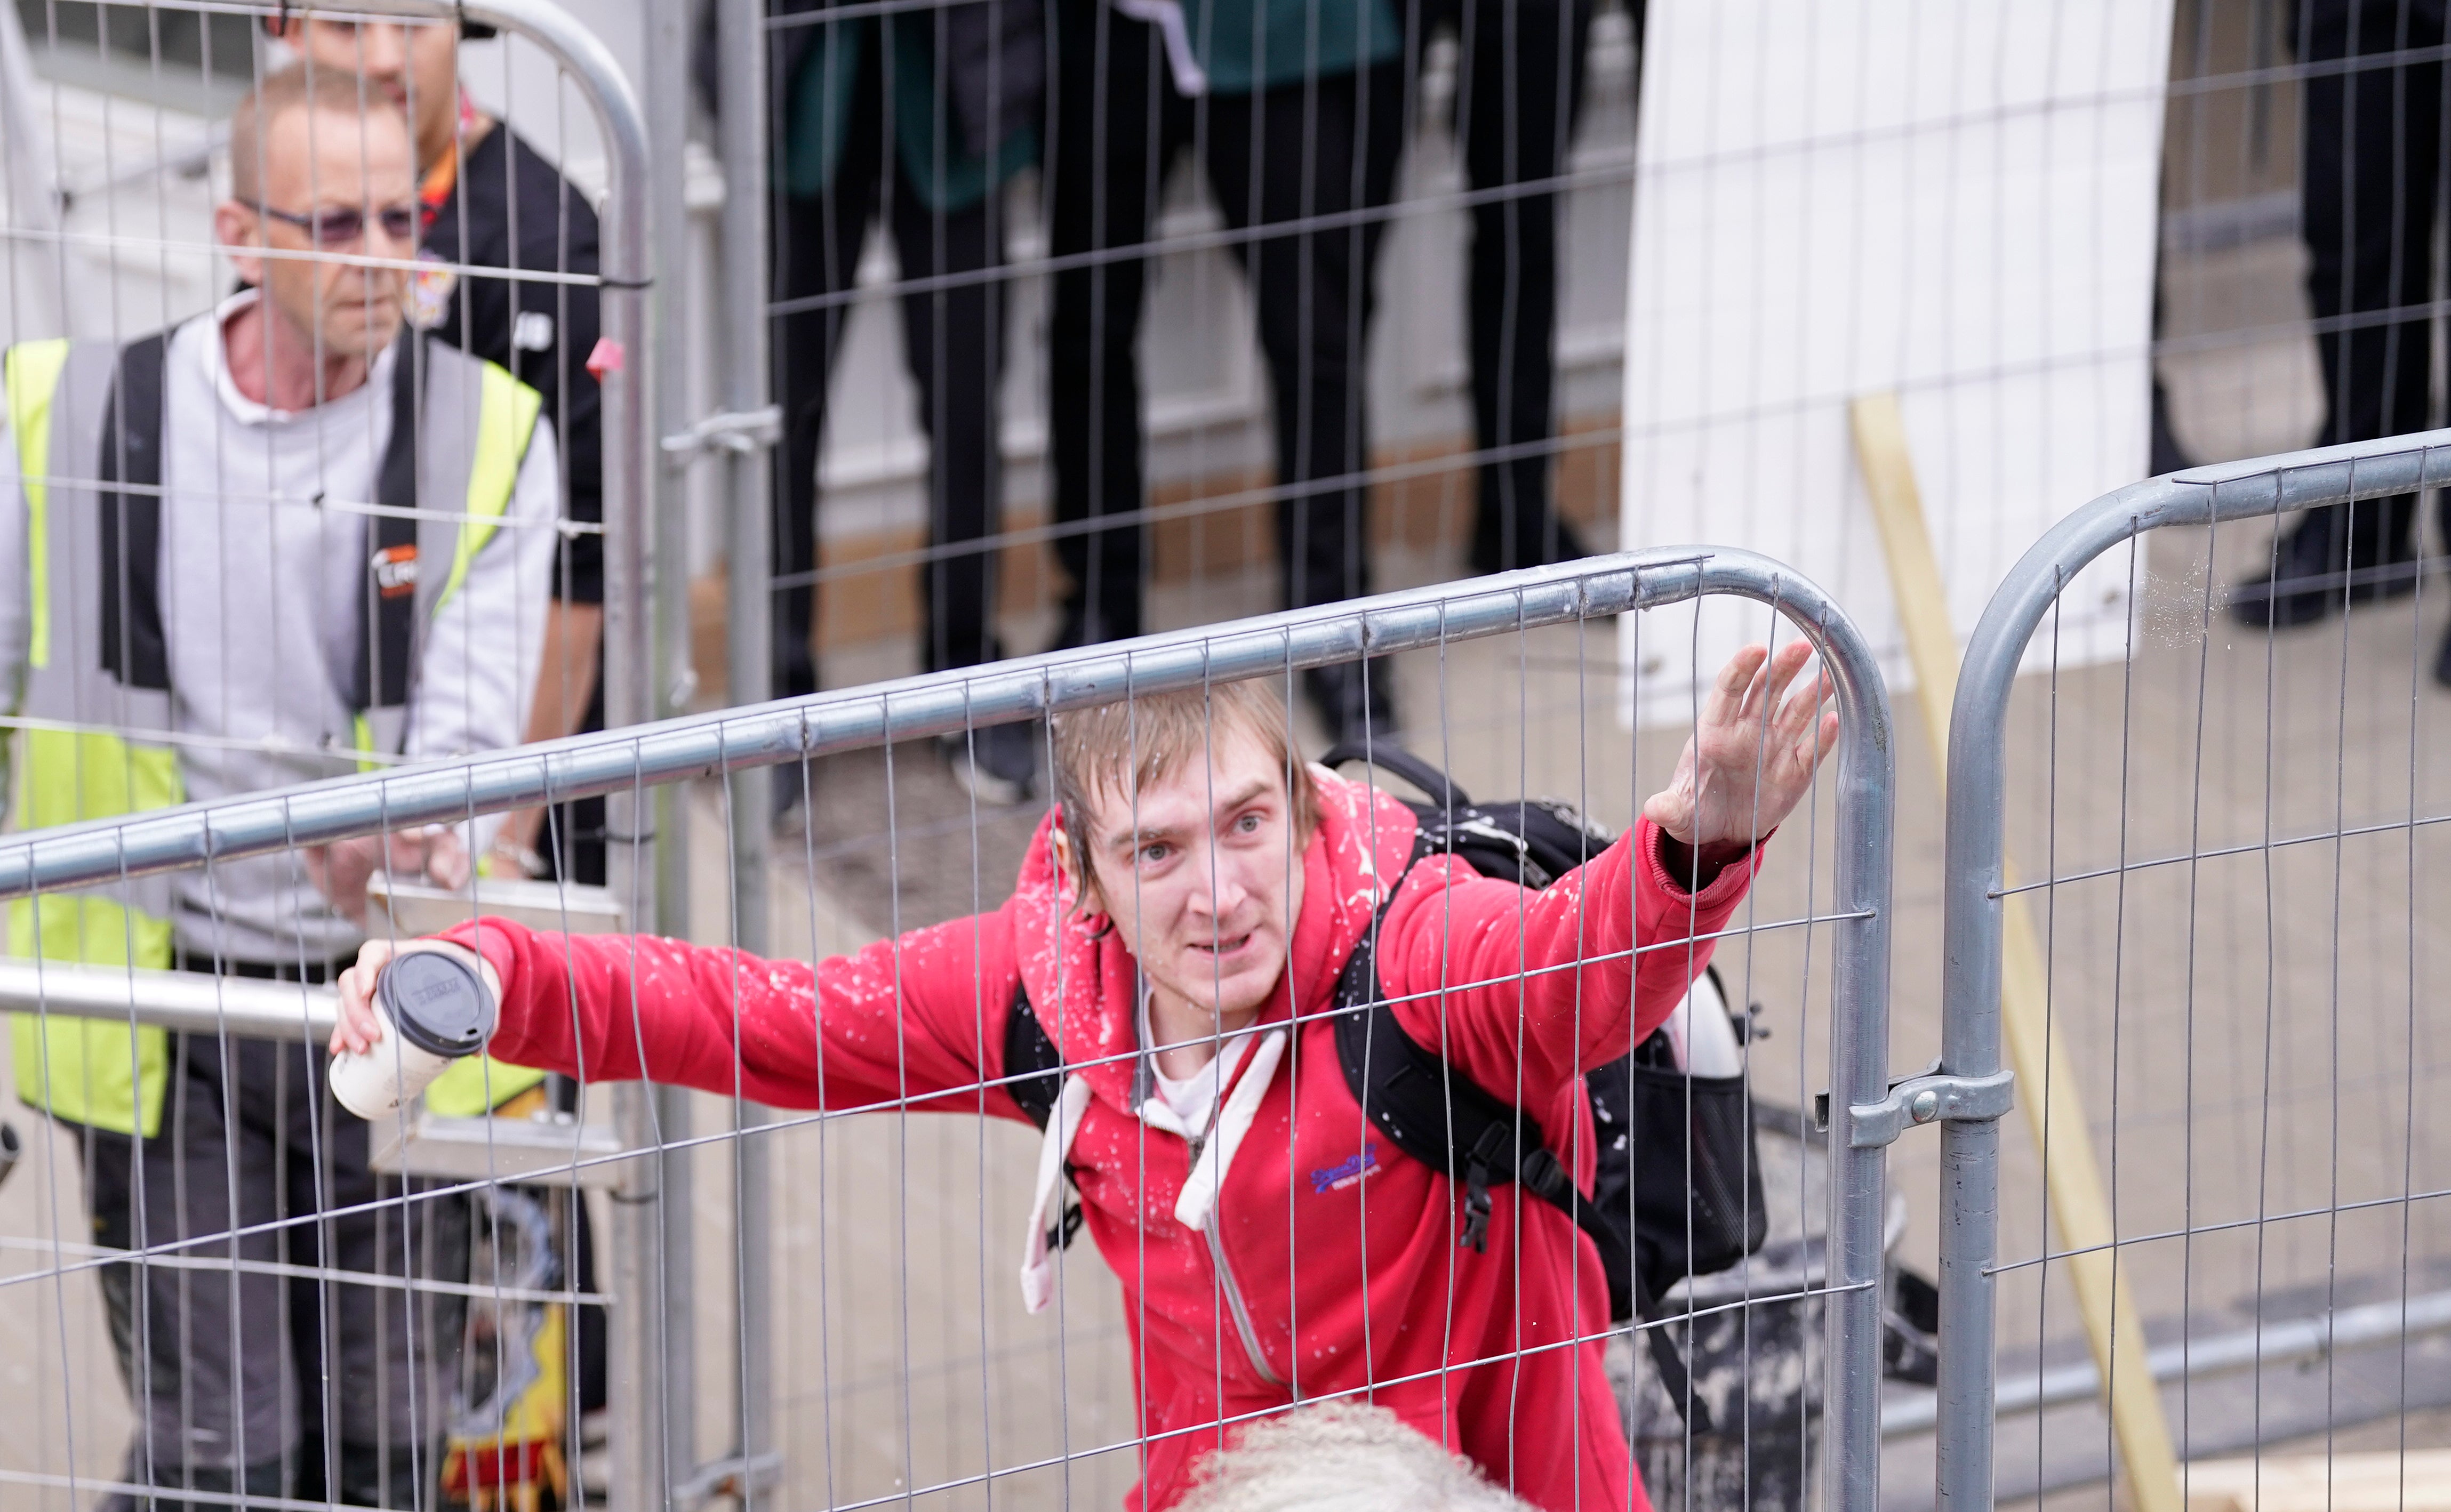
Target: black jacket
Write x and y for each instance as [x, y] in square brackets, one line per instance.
[512, 209]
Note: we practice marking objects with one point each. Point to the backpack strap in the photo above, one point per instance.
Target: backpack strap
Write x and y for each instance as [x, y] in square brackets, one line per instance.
[1449, 1122]
[134, 650]
[1033, 1067]
[388, 592]
[1034, 1070]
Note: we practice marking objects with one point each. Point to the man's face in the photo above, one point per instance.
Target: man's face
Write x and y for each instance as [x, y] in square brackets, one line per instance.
[416, 67]
[1202, 874]
[344, 176]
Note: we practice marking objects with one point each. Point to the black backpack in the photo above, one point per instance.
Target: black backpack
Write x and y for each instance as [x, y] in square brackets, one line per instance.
[1695, 1200]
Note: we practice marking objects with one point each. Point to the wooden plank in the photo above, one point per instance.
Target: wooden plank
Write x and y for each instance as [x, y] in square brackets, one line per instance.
[2047, 1089]
[2418, 1480]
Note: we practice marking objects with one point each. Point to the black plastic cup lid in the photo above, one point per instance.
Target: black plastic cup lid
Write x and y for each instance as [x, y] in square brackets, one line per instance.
[439, 1002]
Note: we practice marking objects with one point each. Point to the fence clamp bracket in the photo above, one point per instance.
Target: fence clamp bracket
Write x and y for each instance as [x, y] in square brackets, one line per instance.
[1930, 1098]
[728, 431]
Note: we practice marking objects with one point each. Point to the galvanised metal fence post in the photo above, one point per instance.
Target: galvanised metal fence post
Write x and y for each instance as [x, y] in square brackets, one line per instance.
[2263, 488]
[742, 132]
[621, 362]
[1859, 1032]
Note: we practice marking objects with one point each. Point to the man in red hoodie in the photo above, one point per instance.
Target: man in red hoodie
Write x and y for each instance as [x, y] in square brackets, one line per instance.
[1178, 929]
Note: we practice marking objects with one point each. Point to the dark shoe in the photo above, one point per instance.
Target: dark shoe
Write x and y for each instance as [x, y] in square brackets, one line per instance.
[1355, 707]
[2267, 603]
[788, 791]
[996, 763]
[2316, 571]
[794, 669]
[1538, 541]
[2168, 455]
[1080, 628]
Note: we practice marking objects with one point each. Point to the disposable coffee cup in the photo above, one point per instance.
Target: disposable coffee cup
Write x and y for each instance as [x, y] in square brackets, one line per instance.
[431, 1009]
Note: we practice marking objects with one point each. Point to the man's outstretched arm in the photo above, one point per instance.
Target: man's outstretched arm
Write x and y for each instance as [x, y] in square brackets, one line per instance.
[904, 1020]
[1525, 990]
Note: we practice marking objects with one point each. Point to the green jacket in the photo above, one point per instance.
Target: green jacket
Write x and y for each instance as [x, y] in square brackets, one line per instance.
[935, 153]
[1247, 45]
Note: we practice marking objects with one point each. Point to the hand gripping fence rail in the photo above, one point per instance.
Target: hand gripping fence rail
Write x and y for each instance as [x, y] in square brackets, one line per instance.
[631, 761]
[1974, 923]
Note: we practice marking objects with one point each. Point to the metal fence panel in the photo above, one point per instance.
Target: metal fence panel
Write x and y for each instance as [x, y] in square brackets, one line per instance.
[2229, 843]
[117, 160]
[899, 1371]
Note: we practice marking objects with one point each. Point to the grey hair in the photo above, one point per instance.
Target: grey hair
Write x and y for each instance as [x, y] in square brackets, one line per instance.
[1340, 1456]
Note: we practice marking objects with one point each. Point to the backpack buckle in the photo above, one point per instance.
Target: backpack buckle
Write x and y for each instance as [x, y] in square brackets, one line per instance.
[1494, 1151]
[1476, 1210]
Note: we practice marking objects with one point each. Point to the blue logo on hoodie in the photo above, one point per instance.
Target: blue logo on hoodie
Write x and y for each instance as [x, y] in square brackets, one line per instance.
[1345, 1172]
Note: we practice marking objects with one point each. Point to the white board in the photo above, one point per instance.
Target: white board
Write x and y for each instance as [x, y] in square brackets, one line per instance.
[1955, 200]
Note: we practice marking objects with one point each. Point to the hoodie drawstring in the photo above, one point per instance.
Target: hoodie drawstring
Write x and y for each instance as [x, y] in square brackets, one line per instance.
[1038, 1256]
[1199, 1196]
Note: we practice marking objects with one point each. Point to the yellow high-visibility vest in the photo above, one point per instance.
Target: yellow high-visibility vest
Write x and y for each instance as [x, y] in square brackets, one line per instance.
[100, 694]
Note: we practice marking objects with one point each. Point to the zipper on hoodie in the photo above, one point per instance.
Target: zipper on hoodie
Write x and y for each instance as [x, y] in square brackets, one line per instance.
[1234, 1302]
[1233, 1290]
[1193, 1145]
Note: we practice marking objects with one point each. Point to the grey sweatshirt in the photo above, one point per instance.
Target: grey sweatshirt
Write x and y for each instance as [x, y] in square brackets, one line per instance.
[264, 544]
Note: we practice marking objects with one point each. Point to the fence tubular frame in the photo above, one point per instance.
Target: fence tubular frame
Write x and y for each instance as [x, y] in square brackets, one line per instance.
[1974, 853]
[742, 248]
[630, 761]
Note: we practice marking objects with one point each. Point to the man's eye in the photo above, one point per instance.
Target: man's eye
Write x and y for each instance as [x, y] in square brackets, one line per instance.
[1248, 823]
[1151, 854]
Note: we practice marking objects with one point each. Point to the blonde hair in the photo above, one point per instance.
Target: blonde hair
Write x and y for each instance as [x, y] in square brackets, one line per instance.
[1341, 1456]
[1126, 748]
[294, 88]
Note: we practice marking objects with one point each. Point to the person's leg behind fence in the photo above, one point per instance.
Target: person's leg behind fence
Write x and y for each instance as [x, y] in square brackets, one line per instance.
[213, 1407]
[1520, 78]
[2368, 194]
[390, 1353]
[828, 151]
[1115, 123]
[1301, 153]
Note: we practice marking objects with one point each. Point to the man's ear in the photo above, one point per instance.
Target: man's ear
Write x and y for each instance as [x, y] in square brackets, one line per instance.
[1071, 873]
[237, 229]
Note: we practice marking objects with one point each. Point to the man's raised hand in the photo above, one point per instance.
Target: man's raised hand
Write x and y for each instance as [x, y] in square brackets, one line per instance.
[1752, 753]
[343, 870]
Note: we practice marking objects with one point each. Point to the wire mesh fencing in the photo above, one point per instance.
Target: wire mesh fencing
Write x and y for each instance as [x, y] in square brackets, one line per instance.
[1081, 336]
[912, 927]
[327, 455]
[2189, 902]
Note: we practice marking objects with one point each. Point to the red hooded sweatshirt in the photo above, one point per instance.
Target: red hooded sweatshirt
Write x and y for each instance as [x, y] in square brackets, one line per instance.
[1494, 1353]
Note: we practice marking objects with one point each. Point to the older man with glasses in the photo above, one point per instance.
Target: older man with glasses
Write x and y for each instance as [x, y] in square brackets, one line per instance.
[279, 541]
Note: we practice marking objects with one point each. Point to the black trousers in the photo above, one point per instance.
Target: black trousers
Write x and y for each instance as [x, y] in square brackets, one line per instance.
[2372, 183]
[1300, 150]
[953, 340]
[1519, 95]
[265, 1383]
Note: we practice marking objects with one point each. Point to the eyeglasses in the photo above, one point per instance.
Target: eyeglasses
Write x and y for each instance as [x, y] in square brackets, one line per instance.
[343, 224]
